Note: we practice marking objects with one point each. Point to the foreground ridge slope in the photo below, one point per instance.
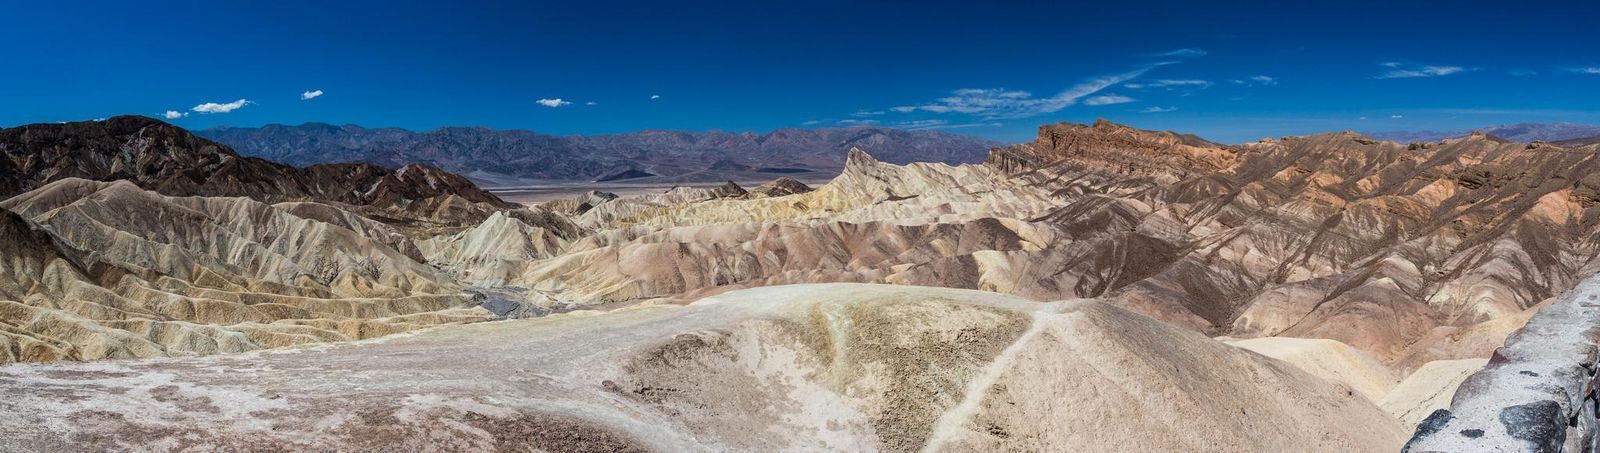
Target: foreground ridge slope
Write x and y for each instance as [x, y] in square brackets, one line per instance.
[837, 366]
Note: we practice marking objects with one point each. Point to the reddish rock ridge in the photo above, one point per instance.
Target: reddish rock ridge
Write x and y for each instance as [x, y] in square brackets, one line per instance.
[1162, 156]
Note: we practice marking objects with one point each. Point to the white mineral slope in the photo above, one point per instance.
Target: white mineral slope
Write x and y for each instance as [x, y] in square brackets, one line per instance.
[1429, 389]
[1328, 359]
[834, 367]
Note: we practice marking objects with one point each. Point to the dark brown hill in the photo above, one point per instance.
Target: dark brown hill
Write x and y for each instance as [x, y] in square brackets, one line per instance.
[170, 160]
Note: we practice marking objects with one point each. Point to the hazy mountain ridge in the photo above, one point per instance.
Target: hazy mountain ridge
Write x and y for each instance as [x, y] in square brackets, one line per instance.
[683, 155]
[1520, 132]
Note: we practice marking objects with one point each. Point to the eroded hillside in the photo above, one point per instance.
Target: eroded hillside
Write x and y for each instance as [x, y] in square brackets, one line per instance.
[1367, 277]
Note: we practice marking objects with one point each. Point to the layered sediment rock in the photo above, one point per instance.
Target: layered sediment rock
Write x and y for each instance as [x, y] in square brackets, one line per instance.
[108, 270]
[1409, 253]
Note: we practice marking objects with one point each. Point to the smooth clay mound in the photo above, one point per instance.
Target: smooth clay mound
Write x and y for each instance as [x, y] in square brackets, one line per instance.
[807, 367]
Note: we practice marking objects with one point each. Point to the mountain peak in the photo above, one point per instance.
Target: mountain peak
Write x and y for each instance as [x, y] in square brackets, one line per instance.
[858, 157]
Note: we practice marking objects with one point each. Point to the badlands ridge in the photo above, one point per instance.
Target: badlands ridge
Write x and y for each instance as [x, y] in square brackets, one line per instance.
[1101, 287]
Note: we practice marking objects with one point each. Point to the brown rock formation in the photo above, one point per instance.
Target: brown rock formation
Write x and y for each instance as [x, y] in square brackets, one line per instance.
[782, 186]
[167, 159]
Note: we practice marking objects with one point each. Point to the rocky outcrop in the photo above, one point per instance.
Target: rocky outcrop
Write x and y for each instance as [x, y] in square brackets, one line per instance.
[781, 187]
[1114, 150]
[1538, 391]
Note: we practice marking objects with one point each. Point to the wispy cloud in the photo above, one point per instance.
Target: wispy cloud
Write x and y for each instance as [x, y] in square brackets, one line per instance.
[1399, 70]
[967, 125]
[921, 124]
[1171, 84]
[309, 95]
[1181, 53]
[858, 122]
[1259, 80]
[941, 124]
[212, 107]
[655, 96]
[1396, 117]
[174, 114]
[553, 103]
[1585, 70]
[1000, 103]
[1108, 99]
[591, 103]
[811, 123]
[867, 113]
[1158, 109]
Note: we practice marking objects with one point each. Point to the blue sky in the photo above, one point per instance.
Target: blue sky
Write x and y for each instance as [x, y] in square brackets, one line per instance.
[1229, 71]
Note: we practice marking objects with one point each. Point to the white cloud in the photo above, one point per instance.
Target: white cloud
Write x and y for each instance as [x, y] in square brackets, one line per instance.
[1363, 118]
[854, 122]
[174, 114]
[1403, 72]
[1183, 53]
[1585, 70]
[811, 123]
[939, 124]
[1396, 117]
[967, 125]
[655, 96]
[212, 107]
[921, 124]
[1171, 84]
[1158, 109]
[591, 103]
[1259, 80]
[309, 95]
[553, 103]
[1108, 99]
[867, 113]
[1000, 103]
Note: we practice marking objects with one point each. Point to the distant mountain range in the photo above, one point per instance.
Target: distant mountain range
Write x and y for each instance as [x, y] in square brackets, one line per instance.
[1521, 132]
[511, 157]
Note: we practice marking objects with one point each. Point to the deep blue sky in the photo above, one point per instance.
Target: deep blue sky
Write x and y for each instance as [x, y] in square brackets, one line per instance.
[762, 65]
